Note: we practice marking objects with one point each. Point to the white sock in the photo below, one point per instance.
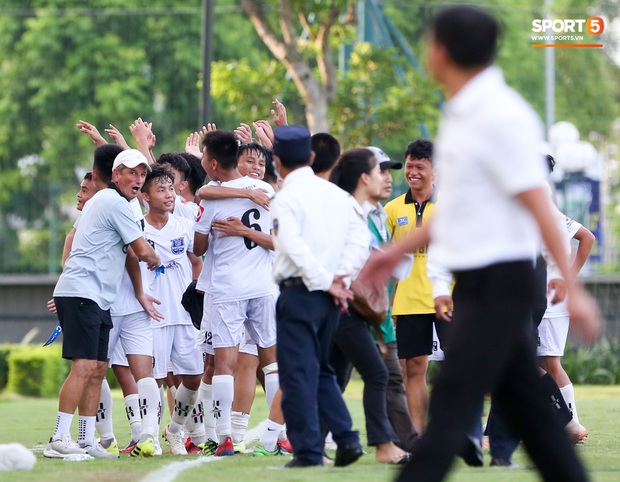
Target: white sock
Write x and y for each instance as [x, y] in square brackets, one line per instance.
[184, 402]
[150, 407]
[195, 424]
[162, 403]
[283, 435]
[223, 395]
[272, 383]
[132, 409]
[103, 419]
[86, 432]
[239, 425]
[269, 437]
[568, 393]
[63, 425]
[206, 397]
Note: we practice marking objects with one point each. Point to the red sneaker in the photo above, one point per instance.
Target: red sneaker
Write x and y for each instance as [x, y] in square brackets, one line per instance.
[226, 448]
[129, 448]
[192, 448]
[285, 446]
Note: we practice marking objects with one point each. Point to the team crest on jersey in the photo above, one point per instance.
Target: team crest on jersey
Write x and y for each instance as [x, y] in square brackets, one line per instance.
[403, 221]
[178, 245]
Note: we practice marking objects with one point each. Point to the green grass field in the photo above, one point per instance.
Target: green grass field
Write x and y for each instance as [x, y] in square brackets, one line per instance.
[30, 422]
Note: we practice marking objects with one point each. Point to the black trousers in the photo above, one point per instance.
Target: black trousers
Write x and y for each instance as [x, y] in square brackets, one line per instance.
[306, 323]
[491, 350]
[354, 346]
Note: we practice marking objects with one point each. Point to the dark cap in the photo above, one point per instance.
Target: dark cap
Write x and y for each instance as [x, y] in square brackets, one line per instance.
[384, 160]
[292, 144]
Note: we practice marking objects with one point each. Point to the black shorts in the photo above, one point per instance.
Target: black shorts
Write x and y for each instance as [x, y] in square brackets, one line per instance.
[414, 334]
[85, 328]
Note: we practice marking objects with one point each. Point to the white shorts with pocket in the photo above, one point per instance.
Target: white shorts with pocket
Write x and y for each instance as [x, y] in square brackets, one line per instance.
[204, 339]
[133, 333]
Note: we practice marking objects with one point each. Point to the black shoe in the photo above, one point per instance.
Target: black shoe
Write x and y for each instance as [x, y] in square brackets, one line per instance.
[296, 463]
[471, 452]
[347, 454]
[499, 462]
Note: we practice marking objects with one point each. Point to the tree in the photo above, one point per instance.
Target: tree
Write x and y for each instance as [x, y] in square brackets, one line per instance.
[317, 91]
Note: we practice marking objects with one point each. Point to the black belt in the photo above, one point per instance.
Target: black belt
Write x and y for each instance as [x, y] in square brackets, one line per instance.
[290, 282]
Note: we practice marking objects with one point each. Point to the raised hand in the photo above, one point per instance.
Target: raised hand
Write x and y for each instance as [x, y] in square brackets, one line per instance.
[279, 115]
[117, 137]
[264, 132]
[193, 145]
[243, 133]
[92, 132]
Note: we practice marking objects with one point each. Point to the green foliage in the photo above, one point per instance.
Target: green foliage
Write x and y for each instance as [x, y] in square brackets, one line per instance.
[597, 365]
[36, 371]
[4, 365]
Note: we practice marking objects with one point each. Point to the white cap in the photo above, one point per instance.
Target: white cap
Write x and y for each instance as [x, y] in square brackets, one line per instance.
[383, 159]
[130, 158]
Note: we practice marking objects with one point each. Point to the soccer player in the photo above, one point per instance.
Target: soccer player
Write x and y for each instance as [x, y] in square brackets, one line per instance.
[174, 336]
[84, 292]
[486, 230]
[242, 291]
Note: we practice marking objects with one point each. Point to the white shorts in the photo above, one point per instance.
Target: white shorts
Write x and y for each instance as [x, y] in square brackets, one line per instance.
[133, 333]
[248, 346]
[552, 335]
[118, 357]
[176, 344]
[204, 340]
[258, 315]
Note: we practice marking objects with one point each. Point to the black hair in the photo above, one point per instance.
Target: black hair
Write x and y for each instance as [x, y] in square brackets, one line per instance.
[420, 149]
[197, 173]
[104, 160]
[222, 146]
[270, 170]
[251, 146]
[469, 34]
[157, 175]
[350, 167]
[88, 176]
[176, 160]
[326, 152]
[550, 162]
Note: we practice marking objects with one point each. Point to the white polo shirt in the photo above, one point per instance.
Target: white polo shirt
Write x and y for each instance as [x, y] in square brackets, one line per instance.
[486, 154]
[318, 231]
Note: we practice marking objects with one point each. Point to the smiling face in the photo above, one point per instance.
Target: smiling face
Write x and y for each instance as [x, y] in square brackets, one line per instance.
[87, 190]
[419, 174]
[251, 163]
[160, 194]
[129, 180]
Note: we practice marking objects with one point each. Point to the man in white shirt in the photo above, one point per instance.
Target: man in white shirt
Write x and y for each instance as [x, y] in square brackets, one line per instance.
[486, 231]
[317, 235]
[85, 290]
[242, 291]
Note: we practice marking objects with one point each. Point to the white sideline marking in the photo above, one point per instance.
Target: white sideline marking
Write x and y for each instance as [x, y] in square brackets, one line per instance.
[170, 472]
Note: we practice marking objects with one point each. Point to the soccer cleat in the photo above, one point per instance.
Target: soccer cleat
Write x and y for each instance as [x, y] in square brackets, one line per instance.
[285, 446]
[99, 452]
[129, 448]
[209, 447]
[112, 447]
[61, 448]
[158, 450]
[146, 448]
[192, 448]
[240, 447]
[261, 451]
[225, 449]
[177, 442]
[576, 432]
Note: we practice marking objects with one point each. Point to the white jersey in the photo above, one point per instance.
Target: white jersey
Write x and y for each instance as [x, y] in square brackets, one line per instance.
[204, 280]
[126, 302]
[241, 269]
[168, 283]
[561, 309]
[185, 209]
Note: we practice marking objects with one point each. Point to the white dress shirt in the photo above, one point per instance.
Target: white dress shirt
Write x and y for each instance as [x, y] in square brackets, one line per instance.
[319, 231]
[486, 154]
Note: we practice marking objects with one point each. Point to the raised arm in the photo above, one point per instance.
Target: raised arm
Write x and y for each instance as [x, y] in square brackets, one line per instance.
[117, 137]
[92, 132]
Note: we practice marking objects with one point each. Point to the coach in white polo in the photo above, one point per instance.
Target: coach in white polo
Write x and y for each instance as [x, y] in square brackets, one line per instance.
[86, 289]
